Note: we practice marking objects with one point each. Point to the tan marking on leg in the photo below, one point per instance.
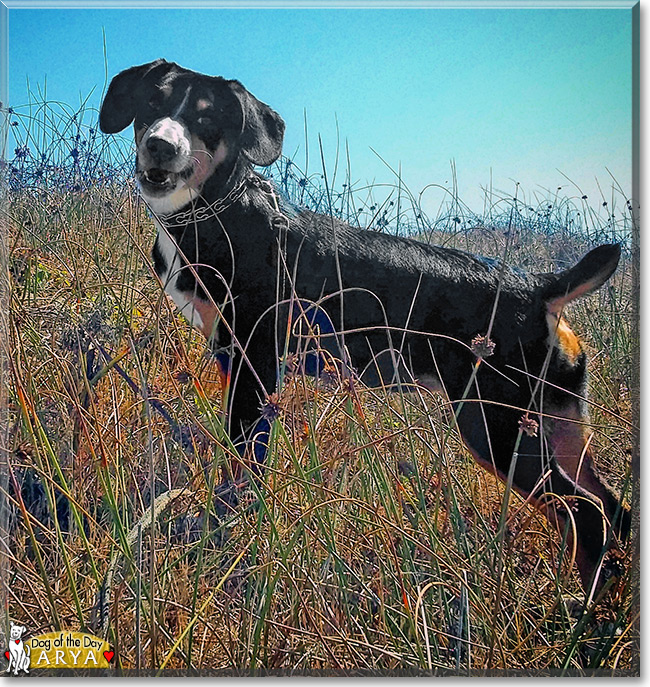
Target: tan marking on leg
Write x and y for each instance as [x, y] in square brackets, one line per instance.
[570, 445]
[568, 442]
[208, 314]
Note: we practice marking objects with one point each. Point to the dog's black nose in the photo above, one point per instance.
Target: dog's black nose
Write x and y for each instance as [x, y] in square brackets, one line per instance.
[161, 150]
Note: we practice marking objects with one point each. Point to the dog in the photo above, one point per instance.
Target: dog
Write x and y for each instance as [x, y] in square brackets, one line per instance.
[392, 310]
[19, 652]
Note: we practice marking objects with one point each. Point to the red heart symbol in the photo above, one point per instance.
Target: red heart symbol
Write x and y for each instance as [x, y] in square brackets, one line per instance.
[108, 655]
[7, 655]
[18, 641]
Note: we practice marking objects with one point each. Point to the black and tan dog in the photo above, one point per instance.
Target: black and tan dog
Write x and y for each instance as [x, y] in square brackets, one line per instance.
[395, 310]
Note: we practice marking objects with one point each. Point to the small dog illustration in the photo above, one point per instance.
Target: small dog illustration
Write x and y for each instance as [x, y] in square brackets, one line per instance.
[19, 652]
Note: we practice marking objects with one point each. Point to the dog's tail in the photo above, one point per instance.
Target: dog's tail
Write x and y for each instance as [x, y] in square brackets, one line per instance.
[588, 275]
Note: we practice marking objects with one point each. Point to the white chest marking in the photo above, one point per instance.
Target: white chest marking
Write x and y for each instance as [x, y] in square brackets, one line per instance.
[173, 262]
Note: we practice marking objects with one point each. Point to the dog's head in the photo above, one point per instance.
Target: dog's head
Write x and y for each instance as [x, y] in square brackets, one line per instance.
[187, 126]
[16, 631]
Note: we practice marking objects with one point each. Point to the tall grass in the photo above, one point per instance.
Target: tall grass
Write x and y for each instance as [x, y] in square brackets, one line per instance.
[374, 542]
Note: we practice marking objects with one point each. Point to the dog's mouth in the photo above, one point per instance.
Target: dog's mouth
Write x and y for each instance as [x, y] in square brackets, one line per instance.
[158, 181]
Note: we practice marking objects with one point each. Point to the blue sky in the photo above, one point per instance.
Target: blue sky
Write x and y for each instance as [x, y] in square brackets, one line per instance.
[507, 94]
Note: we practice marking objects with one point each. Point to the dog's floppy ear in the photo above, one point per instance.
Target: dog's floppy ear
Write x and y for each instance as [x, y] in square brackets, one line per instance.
[118, 108]
[262, 129]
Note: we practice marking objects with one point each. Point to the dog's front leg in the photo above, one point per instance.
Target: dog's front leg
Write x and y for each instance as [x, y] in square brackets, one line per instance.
[252, 379]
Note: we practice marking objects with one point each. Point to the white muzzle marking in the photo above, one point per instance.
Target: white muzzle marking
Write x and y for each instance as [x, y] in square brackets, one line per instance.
[176, 134]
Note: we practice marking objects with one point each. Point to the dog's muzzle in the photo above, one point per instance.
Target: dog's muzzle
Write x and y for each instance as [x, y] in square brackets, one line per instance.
[164, 156]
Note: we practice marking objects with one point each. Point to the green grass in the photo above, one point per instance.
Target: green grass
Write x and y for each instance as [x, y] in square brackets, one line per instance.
[374, 542]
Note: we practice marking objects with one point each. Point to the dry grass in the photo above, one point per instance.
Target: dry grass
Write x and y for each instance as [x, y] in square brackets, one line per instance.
[374, 542]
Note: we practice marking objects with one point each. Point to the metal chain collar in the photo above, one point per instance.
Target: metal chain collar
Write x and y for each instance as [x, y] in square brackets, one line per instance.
[200, 214]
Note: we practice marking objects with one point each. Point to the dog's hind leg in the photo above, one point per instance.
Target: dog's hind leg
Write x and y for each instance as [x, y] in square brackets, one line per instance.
[592, 507]
[568, 441]
[565, 416]
[536, 474]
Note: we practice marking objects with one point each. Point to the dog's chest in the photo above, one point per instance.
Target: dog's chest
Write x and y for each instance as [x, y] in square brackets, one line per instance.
[168, 263]
[16, 647]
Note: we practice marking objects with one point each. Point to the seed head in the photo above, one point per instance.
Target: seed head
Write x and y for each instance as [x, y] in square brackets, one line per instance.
[271, 407]
[483, 346]
[528, 425]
